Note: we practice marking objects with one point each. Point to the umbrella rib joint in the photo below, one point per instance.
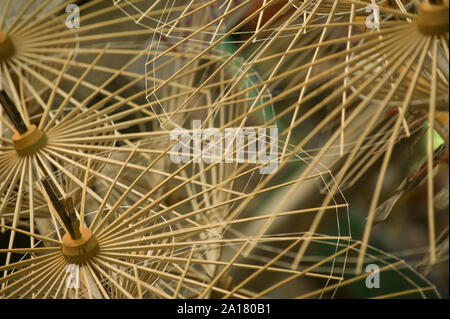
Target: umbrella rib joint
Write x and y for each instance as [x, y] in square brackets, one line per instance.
[433, 17]
[28, 139]
[7, 48]
[79, 244]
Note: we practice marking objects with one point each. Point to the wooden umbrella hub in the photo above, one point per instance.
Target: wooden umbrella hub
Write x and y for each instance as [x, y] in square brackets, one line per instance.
[27, 139]
[29, 142]
[78, 251]
[6, 47]
[433, 18]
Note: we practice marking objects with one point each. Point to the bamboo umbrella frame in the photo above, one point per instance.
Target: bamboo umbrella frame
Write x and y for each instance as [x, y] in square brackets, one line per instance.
[138, 287]
[202, 202]
[256, 108]
[409, 73]
[72, 133]
[72, 124]
[140, 251]
[403, 64]
[37, 54]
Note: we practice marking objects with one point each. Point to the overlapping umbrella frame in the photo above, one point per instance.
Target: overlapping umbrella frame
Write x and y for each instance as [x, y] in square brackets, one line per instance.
[86, 173]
